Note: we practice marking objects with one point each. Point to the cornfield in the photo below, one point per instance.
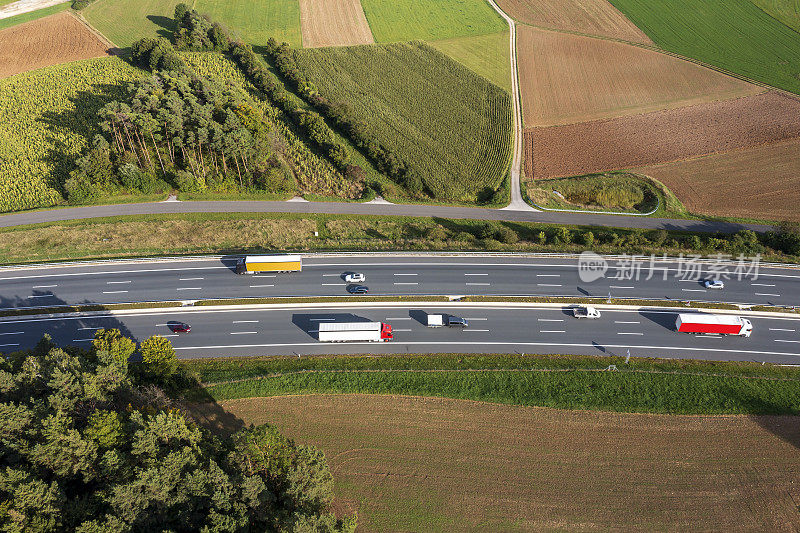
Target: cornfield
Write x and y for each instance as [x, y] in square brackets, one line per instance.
[46, 118]
[449, 124]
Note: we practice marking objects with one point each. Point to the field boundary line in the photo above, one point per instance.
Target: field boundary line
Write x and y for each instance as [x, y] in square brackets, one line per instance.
[113, 49]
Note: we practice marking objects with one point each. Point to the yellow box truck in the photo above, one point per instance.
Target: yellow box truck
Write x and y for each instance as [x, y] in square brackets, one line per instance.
[258, 264]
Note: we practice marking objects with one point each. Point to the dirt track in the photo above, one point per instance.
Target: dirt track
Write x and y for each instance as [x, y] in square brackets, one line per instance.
[662, 136]
[417, 464]
[333, 23]
[52, 40]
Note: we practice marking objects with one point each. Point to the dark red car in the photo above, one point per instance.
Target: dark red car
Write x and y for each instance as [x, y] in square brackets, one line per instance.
[180, 327]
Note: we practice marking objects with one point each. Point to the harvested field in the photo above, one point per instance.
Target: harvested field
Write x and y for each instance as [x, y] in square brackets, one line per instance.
[595, 17]
[568, 78]
[333, 23]
[661, 137]
[424, 464]
[761, 182]
[59, 38]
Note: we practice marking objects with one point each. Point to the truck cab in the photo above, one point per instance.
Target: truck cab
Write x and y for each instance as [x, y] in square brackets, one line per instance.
[585, 311]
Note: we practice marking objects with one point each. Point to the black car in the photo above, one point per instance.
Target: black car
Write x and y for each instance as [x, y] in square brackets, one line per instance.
[358, 289]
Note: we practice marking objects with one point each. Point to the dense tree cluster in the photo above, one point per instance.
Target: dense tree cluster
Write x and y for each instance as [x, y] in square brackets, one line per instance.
[90, 444]
[156, 54]
[196, 32]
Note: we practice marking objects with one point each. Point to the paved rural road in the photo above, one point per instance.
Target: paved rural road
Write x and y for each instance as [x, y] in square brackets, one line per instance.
[56, 215]
[293, 331]
[212, 278]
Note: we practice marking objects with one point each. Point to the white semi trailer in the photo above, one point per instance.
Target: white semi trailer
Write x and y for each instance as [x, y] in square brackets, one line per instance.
[355, 332]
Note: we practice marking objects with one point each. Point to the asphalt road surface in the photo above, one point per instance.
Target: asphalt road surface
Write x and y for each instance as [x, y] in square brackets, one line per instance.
[56, 215]
[506, 330]
[124, 282]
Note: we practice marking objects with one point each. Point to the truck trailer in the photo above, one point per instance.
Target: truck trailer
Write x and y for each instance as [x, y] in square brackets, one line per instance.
[355, 332]
[704, 324]
[257, 264]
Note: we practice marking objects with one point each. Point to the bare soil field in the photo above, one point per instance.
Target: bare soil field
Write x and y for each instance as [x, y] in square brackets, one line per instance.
[566, 79]
[52, 40]
[660, 137]
[333, 23]
[761, 182]
[595, 17]
[425, 464]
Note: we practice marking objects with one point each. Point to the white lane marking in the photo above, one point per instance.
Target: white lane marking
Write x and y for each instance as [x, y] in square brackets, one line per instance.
[266, 275]
[330, 275]
[781, 329]
[114, 292]
[321, 319]
[117, 282]
[467, 318]
[334, 284]
[405, 274]
[170, 335]
[502, 343]
[401, 330]
[766, 294]
[189, 289]
[781, 340]
[626, 333]
[620, 287]
[548, 285]
[260, 286]
[43, 286]
[243, 332]
[552, 331]
[689, 280]
[13, 333]
[482, 284]
[405, 283]
[82, 340]
[41, 295]
[762, 284]
[93, 329]
[399, 318]
[7, 345]
[189, 279]
[694, 290]
[626, 322]
[476, 274]
[550, 319]
[548, 275]
[475, 330]
[245, 321]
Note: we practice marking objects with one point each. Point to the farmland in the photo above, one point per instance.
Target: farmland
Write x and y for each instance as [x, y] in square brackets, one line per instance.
[333, 23]
[487, 55]
[32, 15]
[568, 78]
[420, 464]
[661, 136]
[255, 21]
[46, 118]
[593, 17]
[125, 21]
[450, 125]
[731, 34]
[760, 182]
[59, 38]
[430, 20]
[787, 11]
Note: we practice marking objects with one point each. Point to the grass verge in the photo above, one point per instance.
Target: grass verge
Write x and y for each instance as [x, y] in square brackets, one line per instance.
[31, 15]
[569, 382]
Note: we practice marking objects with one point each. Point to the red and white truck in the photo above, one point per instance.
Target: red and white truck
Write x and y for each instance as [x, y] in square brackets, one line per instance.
[355, 332]
[704, 324]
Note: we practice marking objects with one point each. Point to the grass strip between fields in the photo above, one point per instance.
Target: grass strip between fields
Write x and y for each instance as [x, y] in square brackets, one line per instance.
[32, 15]
[567, 382]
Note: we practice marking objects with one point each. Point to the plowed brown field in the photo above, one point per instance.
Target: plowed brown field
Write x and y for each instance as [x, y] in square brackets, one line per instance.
[424, 464]
[333, 23]
[761, 182]
[595, 17]
[652, 138]
[567, 78]
[59, 38]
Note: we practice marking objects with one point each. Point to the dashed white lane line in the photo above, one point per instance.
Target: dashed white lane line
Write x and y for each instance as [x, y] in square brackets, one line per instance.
[189, 288]
[117, 282]
[170, 335]
[401, 330]
[781, 329]
[82, 340]
[467, 318]
[627, 333]
[331, 275]
[782, 340]
[762, 284]
[43, 286]
[476, 274]
[244, 332]
[41, 295]
[8, 345]
[399, 318]
[475, 330]
[334, 284]
[245, 321]
[13, 333]
[694, 290]
[766, 294]
[93, 329]
[548, 275]
[405, 274]
[550, 319]
[620, 287]
[552, 331]
[626, 322]
[260, 286]
[481, 284]
[321, 319]
[548, 285]
[405, 283]
[189, 279]
[114, 292]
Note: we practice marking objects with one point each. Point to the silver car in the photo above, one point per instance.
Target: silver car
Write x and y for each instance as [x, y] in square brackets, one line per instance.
[714, 284]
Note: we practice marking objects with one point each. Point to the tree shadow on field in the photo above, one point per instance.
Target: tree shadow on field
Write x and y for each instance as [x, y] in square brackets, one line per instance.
[166, 25]
[205, 410]
[770, 415]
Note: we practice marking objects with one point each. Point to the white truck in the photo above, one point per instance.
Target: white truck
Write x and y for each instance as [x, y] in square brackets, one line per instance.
[706, 324]
[435, 321]
[355, 332]
[585, 311]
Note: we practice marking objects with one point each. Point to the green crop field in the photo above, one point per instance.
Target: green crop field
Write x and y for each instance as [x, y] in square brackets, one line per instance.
[732, 34]
[255, 21]
[488, 55]
[46, 117]
[787, 11]
[124, 22]
[430, 20]
[32, 15]
[449, 124]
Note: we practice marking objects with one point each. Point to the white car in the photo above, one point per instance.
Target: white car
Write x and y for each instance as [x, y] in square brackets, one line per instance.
[713, 284]
[355, 277]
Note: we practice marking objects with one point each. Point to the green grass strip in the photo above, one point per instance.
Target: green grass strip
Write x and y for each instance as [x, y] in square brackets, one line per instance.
[32, 15]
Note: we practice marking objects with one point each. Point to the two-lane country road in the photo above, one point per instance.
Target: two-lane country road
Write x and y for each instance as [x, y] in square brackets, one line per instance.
[508, 329]
[214, 278]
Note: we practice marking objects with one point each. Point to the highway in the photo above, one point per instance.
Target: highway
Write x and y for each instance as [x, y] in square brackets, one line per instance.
[213, 278]
[507, 329]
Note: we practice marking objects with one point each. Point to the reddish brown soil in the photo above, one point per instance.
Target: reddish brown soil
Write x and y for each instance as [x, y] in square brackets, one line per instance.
[659, 137]
[59, 38]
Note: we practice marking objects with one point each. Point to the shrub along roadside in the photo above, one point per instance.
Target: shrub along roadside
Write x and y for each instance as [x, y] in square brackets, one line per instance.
[571, 382]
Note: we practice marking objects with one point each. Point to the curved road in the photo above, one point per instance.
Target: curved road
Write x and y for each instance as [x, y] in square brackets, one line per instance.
[369, 208]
